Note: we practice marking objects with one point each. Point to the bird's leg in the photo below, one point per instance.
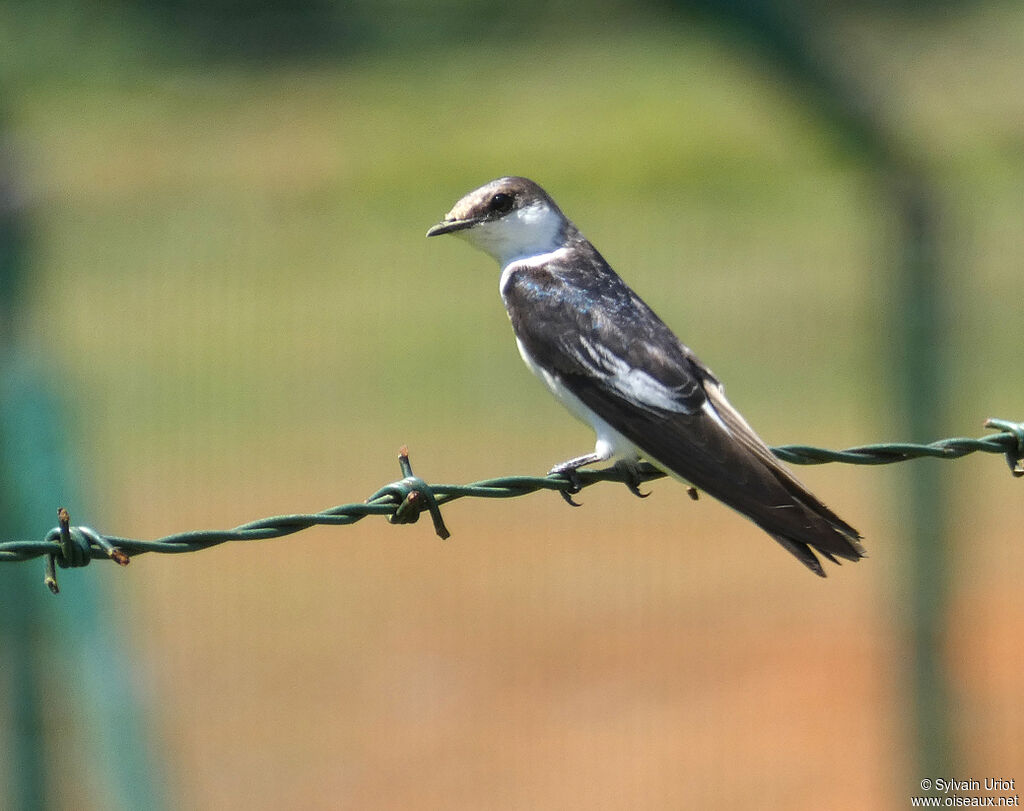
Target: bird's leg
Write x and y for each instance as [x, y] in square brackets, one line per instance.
[632, 477]
[568, 470]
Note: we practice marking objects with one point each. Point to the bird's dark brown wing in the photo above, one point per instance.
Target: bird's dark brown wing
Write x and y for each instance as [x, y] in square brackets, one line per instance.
[623, 363]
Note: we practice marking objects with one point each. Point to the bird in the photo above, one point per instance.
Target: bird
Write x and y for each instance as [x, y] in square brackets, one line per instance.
[615, 365]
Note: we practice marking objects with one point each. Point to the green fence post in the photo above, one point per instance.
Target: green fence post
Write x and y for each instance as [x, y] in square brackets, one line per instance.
[60, 659]
[921, 361]
[787, 37]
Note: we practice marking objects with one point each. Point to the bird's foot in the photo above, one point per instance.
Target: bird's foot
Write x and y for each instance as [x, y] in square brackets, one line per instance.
[631, 478]
[575, 485]
[568, 470]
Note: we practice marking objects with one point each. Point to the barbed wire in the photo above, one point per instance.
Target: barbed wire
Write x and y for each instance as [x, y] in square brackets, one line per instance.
[403, 501]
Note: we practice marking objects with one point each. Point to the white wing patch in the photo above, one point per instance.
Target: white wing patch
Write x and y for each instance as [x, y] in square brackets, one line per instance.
[709, 409]
[634, 385]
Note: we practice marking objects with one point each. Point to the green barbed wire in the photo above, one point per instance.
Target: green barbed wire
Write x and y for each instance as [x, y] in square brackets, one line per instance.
[403, 501]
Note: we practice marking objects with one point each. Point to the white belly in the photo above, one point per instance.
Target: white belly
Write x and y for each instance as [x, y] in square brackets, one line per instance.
[610, 443]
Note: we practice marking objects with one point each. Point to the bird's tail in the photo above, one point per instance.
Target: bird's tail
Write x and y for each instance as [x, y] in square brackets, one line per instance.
[826, 532]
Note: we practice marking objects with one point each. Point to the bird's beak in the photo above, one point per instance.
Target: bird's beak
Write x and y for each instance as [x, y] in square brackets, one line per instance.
[449, 226]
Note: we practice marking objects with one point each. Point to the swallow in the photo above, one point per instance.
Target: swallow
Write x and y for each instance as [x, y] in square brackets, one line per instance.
[614, 364]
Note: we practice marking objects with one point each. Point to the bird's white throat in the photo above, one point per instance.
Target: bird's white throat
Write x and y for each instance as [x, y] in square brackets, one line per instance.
[522, 233]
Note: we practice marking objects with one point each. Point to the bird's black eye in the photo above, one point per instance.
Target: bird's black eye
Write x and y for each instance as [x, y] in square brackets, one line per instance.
[501, 203]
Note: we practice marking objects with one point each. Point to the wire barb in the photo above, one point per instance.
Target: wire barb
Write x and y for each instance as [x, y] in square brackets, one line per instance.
[403, 501]
[75, 547]
[413, 496]
[1014, 455]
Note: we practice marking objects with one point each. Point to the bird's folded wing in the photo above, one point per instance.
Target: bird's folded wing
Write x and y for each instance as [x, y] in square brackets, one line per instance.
[623, 363]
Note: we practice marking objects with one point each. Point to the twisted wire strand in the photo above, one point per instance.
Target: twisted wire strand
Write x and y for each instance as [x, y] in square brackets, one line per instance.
[403, 501]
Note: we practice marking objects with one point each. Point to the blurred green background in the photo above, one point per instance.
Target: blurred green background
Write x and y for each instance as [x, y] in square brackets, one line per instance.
[230, 291]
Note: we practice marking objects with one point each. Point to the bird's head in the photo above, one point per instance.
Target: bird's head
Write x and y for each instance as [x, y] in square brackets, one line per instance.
[509, 218]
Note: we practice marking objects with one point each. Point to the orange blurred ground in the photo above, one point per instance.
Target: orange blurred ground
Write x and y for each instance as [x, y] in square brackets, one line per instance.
[655, 654]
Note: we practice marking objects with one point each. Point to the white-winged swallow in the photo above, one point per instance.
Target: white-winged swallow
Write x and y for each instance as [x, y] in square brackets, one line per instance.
[615, 365]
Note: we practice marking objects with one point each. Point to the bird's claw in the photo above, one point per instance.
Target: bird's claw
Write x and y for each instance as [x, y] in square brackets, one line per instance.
[631, 478]
[634, 488]
[568, 499]
[575, 485]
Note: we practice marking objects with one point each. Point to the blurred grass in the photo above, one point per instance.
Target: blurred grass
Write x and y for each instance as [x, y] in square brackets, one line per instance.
[247, 239]
[233, 273]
